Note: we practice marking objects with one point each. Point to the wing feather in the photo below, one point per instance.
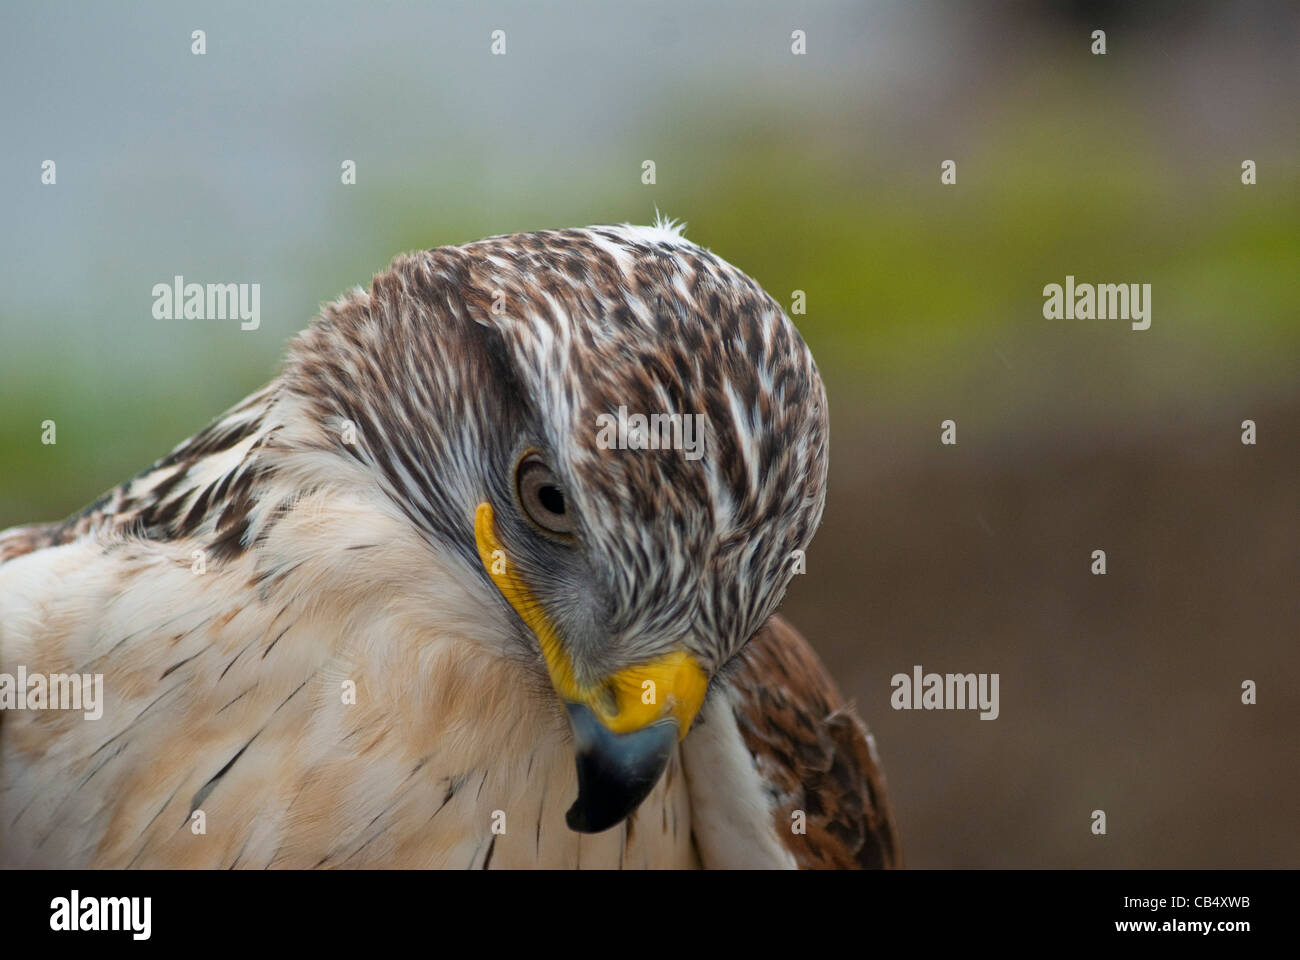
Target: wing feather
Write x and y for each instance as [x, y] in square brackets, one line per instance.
[812, 753]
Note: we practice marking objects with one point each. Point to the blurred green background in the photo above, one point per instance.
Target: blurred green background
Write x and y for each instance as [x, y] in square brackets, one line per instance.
[817, 173]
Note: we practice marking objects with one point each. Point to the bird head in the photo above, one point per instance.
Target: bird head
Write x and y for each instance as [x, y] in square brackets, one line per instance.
[621, 438]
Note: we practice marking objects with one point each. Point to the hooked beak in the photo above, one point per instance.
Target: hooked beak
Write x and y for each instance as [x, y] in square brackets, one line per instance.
[625, 728]
[616, 771]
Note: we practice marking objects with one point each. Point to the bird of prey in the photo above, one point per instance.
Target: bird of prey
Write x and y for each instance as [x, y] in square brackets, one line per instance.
[416, 604]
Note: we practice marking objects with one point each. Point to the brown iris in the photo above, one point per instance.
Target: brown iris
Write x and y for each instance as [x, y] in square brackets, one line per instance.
[542, 497]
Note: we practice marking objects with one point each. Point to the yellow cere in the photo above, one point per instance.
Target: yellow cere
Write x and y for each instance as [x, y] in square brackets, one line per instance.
[672, 685]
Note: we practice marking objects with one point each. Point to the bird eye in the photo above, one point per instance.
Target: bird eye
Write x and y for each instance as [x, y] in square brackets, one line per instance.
[542, 497]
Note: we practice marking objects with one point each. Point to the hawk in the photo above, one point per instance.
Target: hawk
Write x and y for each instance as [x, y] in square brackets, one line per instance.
[409, 606]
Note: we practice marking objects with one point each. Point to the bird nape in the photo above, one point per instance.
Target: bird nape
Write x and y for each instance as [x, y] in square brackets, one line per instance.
[485, 577]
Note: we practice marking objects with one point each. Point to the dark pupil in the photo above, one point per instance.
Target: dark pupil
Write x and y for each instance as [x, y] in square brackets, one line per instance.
[551, 498]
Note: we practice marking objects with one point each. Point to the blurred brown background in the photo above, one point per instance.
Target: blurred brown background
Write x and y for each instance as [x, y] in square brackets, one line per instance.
[1119, 692]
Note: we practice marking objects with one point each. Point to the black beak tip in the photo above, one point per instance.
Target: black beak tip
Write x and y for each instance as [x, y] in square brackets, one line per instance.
[578, 820]
[616, 772]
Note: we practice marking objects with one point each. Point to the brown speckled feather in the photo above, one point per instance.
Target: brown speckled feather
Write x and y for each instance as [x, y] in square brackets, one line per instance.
[297, 635]
[812, 754]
